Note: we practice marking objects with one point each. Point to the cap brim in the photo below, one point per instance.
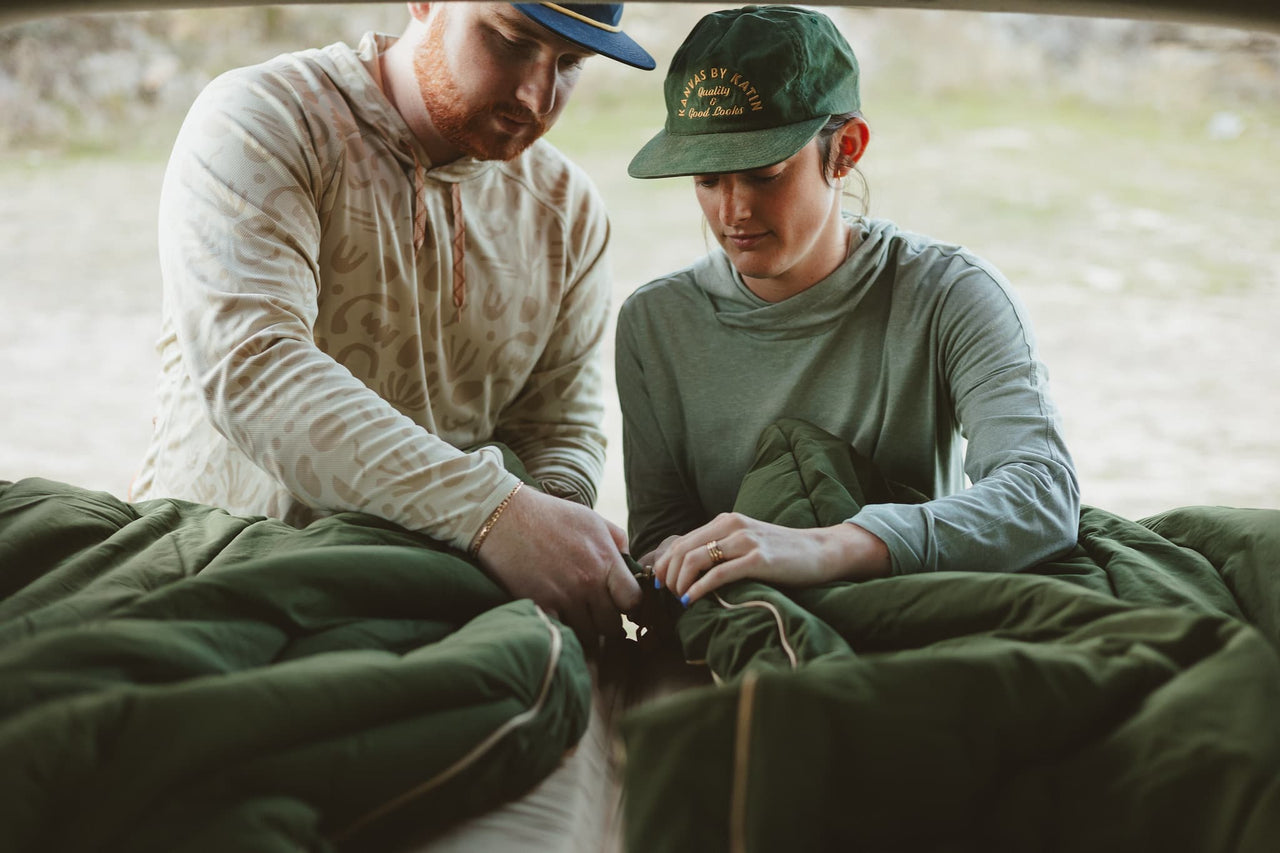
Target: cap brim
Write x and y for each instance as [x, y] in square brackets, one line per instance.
[670, 155]
[615, 45]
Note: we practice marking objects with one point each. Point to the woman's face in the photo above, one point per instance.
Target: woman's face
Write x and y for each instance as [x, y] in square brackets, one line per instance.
[780, 225]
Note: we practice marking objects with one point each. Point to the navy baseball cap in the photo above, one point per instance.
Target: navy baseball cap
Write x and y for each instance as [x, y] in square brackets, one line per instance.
[593, 26]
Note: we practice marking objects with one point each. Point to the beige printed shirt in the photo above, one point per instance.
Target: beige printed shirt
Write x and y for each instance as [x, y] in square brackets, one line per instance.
[322, 350]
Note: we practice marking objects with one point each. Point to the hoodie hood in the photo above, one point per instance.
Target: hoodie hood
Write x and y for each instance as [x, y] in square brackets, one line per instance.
[815, 309]
[356, 72]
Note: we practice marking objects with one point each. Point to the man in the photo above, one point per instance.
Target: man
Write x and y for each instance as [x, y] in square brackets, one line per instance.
[371, 263]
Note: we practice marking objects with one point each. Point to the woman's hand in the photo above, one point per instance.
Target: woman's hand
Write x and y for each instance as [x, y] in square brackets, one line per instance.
[732, 546]
[649, 560]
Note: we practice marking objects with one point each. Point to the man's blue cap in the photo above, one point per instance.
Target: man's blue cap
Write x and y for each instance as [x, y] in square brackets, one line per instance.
[593, 26]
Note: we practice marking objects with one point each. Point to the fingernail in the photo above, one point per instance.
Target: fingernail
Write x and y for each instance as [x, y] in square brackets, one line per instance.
[684, 599]
[657, 582]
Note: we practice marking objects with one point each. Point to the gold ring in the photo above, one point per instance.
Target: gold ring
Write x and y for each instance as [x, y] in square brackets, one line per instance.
[714, 552]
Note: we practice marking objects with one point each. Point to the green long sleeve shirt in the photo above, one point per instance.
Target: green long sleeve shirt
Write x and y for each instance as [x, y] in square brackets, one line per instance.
[916, 351]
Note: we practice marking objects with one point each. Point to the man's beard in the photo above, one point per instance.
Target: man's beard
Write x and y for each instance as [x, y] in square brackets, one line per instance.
[473, 132]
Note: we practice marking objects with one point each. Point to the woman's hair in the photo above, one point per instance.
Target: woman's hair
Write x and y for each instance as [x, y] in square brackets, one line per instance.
[824, 137]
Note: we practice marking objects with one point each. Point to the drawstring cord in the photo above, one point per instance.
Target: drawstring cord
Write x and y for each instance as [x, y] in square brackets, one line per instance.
[459, 232]
[419, 206]
[459, 250]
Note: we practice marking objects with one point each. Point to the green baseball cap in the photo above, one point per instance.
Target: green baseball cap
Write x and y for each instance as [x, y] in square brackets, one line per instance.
[748, 88]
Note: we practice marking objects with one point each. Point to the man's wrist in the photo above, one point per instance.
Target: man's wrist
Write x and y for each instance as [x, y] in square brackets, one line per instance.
[487, 527]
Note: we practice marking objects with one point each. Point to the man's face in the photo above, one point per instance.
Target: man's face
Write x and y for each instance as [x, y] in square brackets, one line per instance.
[493, 81]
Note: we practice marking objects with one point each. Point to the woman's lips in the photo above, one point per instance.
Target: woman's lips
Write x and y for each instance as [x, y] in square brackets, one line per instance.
[745, 241]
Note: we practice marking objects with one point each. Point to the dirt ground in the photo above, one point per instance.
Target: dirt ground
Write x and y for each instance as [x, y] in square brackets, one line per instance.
[1150, 266]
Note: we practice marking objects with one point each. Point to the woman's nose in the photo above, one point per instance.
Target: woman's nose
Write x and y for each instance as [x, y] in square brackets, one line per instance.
[734, 206]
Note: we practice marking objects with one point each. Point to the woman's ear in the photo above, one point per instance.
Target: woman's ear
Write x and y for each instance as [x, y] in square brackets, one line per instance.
[850, 144]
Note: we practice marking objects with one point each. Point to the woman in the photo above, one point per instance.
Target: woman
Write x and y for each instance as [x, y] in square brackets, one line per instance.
[903, 346]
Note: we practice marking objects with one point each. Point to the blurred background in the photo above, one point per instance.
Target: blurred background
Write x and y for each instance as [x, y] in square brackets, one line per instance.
[1124, 175]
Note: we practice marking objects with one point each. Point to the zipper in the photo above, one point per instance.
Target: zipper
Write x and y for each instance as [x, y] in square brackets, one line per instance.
[741, 755]
[777, 618]
[477, 752]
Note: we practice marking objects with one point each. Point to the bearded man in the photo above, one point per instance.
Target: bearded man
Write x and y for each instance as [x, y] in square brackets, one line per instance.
[372, 263]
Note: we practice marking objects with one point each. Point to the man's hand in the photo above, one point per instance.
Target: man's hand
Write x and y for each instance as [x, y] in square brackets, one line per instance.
[565, 557]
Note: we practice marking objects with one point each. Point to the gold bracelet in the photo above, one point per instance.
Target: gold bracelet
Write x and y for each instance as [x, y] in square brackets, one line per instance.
[491, 521]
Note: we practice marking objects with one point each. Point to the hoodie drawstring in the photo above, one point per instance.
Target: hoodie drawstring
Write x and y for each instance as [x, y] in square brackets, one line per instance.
[459, 249]
[459, 232]
[419, 206]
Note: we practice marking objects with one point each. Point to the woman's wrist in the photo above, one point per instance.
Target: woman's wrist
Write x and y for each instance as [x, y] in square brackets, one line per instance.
[860, 555]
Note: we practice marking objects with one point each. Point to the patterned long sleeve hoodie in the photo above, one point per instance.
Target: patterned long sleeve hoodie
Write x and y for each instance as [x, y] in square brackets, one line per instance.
[341, 317]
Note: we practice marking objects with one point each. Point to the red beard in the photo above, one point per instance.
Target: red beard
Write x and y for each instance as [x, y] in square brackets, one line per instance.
[473, 131]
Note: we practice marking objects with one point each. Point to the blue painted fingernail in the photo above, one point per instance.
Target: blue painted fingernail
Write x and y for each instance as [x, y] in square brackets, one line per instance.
[657, 582]
[684, 599]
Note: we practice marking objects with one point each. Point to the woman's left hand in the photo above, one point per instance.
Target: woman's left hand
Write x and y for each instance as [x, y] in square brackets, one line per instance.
[733, 546]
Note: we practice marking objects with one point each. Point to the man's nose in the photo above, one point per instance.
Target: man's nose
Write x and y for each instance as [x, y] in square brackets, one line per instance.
[537, 89]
